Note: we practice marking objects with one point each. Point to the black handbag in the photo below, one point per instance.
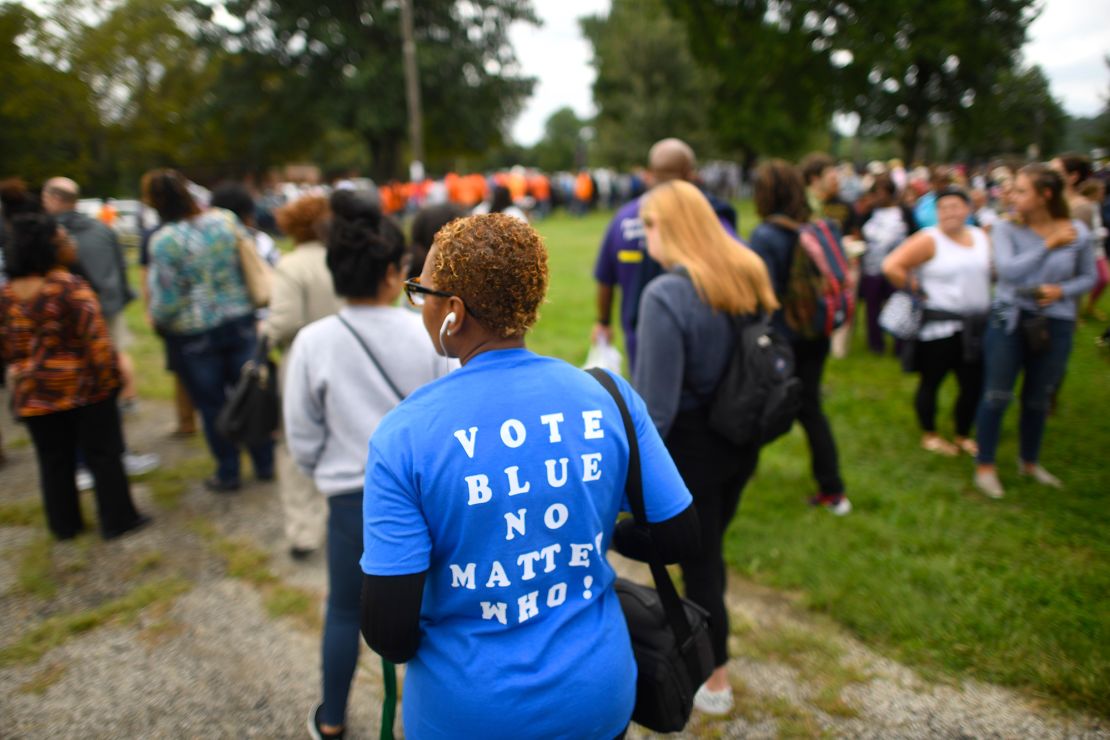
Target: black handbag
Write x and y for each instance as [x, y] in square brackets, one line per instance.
[252, 412]
[670, 635]
[1034, 328]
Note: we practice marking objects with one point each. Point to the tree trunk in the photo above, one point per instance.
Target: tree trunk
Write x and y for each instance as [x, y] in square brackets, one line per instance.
[911, 132]
[385, 153]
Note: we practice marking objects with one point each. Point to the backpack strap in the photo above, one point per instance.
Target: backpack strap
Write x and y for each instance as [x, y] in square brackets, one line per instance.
[785, 222]
[838, 253]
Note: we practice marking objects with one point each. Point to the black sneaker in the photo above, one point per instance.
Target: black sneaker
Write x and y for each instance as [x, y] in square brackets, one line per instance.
[215, 485]
[301, 553]
[314, 730]
[139, 523]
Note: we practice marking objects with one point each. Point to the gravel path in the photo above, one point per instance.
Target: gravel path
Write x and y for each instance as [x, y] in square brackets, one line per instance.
[205, 656]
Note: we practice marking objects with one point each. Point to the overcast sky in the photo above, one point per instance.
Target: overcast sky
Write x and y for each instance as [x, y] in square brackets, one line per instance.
[1068, 40]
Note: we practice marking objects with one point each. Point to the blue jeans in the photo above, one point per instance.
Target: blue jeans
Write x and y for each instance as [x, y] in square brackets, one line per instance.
[1005, 356]
[209, 364]
[341, 623]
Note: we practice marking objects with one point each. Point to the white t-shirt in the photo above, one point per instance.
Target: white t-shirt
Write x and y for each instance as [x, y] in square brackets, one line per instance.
[883, 231]
[957, 279]
[986, 217]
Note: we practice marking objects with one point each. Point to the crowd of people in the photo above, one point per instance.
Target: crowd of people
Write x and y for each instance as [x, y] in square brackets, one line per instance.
[465, 490]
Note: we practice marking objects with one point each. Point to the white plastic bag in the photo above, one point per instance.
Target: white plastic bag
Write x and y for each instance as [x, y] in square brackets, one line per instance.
[606, 356]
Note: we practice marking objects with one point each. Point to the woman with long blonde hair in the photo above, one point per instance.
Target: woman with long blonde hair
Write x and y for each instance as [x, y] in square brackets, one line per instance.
[685, 342]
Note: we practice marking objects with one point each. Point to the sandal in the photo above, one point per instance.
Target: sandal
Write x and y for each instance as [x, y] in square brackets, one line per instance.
[968, 445]
[940, 445]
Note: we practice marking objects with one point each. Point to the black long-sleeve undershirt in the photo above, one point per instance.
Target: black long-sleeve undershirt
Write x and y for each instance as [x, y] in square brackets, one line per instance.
[673, 540]
[391, 614]
[391, 604]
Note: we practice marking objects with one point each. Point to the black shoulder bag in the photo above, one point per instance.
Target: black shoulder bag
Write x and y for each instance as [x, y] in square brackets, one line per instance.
[366, 348]
[252, 413]
[670, 635]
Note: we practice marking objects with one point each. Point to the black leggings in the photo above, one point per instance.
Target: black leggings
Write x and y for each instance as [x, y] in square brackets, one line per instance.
[935, 360]
[97, 431]
[809, 367]
[716, 472]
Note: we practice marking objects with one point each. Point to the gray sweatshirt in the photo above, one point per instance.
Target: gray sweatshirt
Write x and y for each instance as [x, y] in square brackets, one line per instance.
[1023, 263]
[683, 348]
[335, 396]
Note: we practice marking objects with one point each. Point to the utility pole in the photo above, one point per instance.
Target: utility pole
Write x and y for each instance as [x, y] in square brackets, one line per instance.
[412, 94]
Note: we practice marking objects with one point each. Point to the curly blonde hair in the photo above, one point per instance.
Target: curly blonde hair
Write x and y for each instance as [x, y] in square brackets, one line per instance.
[303, 219]
[498, 266]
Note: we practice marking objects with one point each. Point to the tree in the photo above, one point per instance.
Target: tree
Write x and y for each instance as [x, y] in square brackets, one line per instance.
[909, 64]
[1019, 111]
[149, 78]
[784, 67]
[772, 83]
[557, 149]
[340, 64]
[1100, 133]
[648, 85]
[45, 116]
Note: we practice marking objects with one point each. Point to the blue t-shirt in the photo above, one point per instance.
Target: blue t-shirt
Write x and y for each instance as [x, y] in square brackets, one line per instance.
[503, 480]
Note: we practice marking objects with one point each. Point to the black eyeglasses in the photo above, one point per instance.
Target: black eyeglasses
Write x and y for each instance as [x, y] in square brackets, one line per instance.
[415, 293]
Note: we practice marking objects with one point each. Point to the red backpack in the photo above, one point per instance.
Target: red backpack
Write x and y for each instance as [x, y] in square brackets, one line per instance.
[820, 293]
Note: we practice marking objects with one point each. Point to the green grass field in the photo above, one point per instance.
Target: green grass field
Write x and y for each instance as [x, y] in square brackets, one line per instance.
[926, 570]
[1014, 591]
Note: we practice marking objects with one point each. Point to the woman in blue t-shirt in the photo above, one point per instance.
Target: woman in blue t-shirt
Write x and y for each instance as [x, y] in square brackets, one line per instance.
[490, 501]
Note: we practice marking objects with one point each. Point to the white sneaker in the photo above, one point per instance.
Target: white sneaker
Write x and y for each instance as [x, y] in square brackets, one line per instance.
[84, 479]
[136, 464]
[713, 702]
[1040, 475]
[837, 505]
[989, 484]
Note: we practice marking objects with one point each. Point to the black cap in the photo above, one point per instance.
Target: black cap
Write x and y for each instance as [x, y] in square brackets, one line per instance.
[953, 190]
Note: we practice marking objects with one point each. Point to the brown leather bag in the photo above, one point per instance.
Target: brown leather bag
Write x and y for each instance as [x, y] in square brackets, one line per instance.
[256, 273]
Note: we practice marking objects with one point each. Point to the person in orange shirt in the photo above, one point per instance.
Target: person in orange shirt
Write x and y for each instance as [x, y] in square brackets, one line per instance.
[466, 194]
[479, 188]
[453, 183]
[107, 214]
[583, 192]
[540, 188]
[518, 186]
[393, 198]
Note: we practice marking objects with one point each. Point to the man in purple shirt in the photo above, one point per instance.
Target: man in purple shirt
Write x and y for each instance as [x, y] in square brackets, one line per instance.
[623, 260]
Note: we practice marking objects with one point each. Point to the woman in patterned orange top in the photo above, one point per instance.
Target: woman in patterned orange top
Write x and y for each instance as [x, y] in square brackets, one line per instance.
[64, 377]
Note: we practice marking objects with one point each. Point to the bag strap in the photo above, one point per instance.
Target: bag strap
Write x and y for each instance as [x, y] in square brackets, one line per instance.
[672, 604]
[389, 700]
[366, 349]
